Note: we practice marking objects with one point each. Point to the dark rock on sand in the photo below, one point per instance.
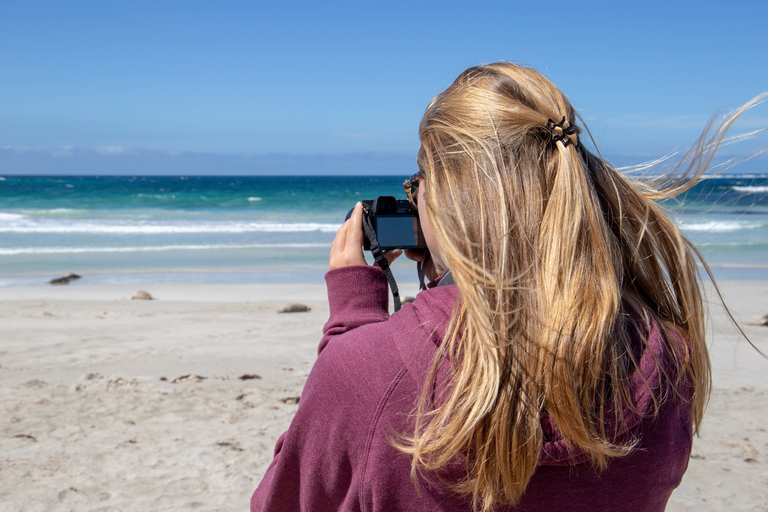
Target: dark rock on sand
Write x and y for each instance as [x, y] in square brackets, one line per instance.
[64, 279]
[142, 295]
[188, 378]
[294, 308]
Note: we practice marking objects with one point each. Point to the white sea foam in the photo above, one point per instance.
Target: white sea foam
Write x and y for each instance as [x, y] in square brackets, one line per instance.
[751, 189]
[156, 248]
[158, 196]
[5, 217]
[254, 199]
[92, 227]
[738, 245]
[45, 212]
[749, 176]
[718, 226]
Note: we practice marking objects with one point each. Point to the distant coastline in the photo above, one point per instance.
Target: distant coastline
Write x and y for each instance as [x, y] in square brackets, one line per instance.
[119, 161]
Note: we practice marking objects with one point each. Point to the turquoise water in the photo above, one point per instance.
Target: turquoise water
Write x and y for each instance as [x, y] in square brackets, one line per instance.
[726, 217]
[115, 230]
[175, 229]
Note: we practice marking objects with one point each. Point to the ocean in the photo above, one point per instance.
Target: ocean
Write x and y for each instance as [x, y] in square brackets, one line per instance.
[147, 230]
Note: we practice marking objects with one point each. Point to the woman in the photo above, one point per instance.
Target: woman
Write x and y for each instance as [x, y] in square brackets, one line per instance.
[566, 368]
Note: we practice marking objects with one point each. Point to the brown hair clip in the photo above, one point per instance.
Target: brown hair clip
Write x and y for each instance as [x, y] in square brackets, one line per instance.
[561, 133]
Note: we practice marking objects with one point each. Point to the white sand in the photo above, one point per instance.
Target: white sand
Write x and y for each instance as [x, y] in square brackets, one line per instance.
[86, 424]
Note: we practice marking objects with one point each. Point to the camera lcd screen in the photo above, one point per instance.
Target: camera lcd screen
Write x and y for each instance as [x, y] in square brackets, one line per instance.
[397, 231]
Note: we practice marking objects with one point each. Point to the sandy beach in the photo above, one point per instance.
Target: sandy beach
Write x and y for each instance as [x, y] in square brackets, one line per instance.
[112, 404]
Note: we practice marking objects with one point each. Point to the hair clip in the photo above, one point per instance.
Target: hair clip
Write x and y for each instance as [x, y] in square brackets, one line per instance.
[560, 133]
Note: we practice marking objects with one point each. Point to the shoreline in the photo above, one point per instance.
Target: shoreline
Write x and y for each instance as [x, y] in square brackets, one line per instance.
[311, 273]
[89, 425]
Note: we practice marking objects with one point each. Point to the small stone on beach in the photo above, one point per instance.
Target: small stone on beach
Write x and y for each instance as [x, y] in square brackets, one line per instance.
[294, 308]
[188, 378]
[142, 295]
[35, 383]
[120, 381]
[230, 444]
[64, 279]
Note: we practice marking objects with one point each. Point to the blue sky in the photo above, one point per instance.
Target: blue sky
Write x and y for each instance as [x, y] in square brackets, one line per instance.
[213, 87]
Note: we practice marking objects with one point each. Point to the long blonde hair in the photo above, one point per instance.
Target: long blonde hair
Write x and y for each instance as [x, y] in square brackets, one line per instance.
[553, 251]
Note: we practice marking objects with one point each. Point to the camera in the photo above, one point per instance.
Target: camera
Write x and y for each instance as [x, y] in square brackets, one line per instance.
[395, 222]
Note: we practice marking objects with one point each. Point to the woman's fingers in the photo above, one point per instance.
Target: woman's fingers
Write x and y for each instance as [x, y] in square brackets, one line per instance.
[414, 254]
[347, 246]
[355, 227]
[340, 238]
[392, 255]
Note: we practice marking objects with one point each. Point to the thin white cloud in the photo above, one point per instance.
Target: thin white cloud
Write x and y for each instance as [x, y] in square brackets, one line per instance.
[659, 122]
[359, 135]
[110, 150]
[72, 151]
[20, 149]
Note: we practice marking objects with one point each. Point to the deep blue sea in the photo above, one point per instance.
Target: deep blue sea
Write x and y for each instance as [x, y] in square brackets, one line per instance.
[133, 230]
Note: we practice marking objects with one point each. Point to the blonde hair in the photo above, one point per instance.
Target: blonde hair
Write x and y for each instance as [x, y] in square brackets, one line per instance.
[553, 252]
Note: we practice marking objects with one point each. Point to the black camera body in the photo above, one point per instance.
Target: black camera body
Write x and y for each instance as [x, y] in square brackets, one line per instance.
[395, 222]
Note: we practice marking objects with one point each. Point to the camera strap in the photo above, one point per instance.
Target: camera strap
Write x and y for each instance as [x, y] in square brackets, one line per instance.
[378, 256]
[421, 270]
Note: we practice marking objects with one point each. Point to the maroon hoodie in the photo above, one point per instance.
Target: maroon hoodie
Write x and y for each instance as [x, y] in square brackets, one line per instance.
[338, 455]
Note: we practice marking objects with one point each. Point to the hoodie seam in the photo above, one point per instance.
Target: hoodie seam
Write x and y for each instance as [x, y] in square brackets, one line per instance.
[372, 431]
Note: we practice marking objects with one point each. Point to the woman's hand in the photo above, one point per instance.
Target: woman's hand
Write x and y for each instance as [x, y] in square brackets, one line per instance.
[347, 247]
